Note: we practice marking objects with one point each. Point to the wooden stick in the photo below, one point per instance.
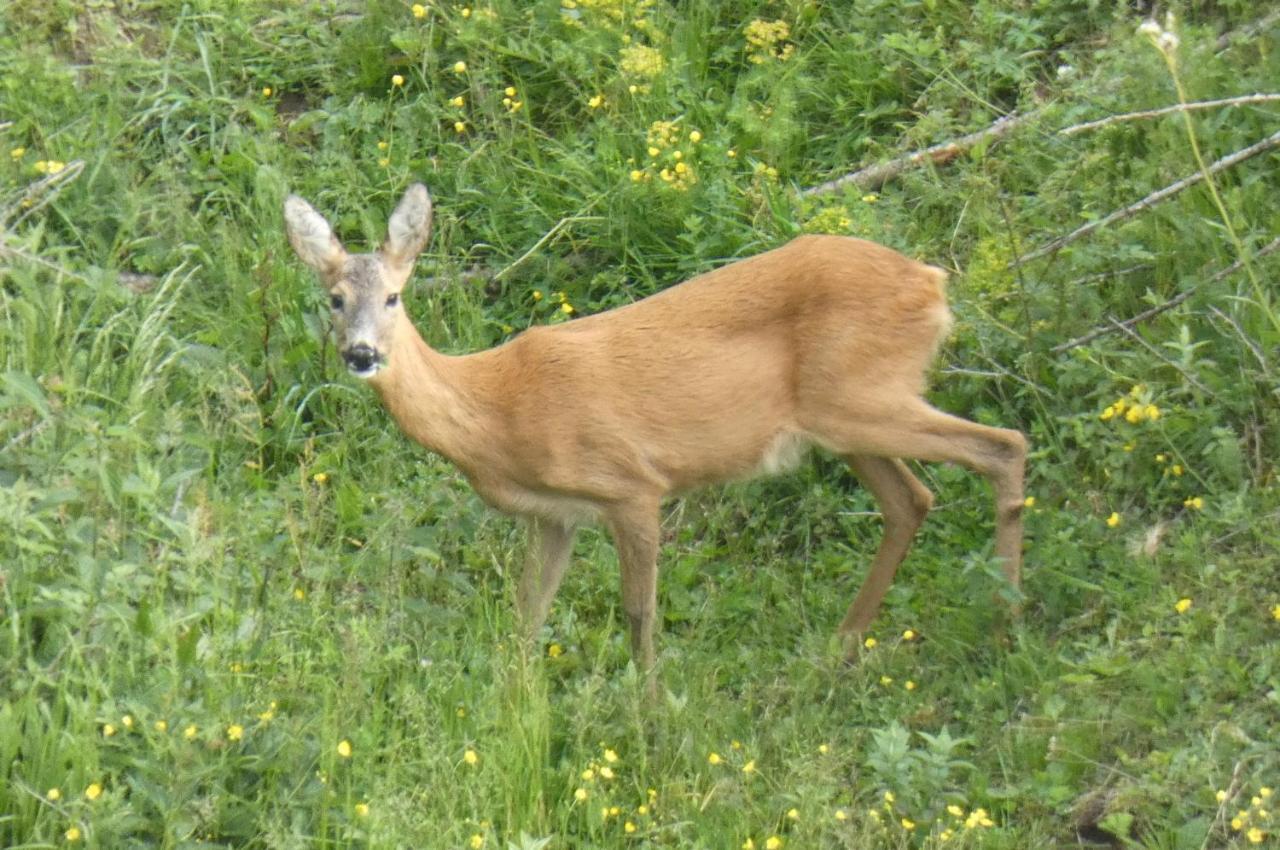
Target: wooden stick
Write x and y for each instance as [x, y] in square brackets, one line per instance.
[874, 176]
[1159, 308]
[1150, 200]
[1178, 107]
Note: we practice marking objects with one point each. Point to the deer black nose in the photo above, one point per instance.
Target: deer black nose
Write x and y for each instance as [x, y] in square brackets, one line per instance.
[360, 357]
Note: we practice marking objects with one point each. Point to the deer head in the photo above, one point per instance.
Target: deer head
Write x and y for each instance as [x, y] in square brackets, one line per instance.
[364, 289]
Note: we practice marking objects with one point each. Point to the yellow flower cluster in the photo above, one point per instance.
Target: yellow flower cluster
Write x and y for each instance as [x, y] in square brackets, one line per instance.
[599, 778]
[49, 166]
[767, 41]
[1255, 821]
[833, 219]
[641, 61]
[1131, 411]
[667, 159]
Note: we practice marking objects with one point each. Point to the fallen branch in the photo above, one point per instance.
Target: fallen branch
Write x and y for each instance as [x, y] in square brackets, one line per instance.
[1150, 200]
[40, 192]
[1179, 107]
[1114, 326]
[1248, 31]
[874, 176]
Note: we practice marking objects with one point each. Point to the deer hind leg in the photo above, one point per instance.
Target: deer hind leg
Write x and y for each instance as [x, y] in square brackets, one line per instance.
[550, 545]
[913, 429]
[635, 530]
[904, 502]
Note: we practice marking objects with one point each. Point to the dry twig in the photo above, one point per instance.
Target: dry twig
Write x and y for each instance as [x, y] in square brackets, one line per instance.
[1178, 107]
[1150, 200]
[874, 176]
[1114, 325]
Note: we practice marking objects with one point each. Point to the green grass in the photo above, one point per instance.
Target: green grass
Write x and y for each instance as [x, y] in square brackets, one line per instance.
[208, 529]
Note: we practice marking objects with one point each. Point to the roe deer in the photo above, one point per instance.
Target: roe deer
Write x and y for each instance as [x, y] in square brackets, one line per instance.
[822, 342]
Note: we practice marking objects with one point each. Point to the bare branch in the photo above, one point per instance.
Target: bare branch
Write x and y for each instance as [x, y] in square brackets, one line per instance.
[1150, 200]
[1159, 308]
[1248, 31]
[874, 176]
[1178, 107]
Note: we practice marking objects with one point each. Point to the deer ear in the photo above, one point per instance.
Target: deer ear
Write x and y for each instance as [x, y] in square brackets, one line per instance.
[311, 237]
[409, 227]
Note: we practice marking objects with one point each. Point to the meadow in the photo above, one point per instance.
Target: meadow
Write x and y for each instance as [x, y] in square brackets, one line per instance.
[240, 609]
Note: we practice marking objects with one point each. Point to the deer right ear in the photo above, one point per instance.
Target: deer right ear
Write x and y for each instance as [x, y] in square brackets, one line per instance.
[311, 237]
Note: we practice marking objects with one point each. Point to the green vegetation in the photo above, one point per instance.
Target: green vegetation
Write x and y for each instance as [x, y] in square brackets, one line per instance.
[241, 610]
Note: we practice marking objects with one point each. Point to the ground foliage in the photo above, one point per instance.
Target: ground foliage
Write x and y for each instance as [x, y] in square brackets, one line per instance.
[240, 610]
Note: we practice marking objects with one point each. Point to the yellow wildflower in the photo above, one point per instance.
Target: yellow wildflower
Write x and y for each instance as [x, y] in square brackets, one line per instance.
[127, 721]
[458, 101]
[869, 643]
[793, 814]
[53, 795]
[1176, 469]
[266, 91]
[888, 797]
[536, 295]
[1196, 503]
[628, 827]
[870, 198]
[639, 60]
[773, 843]
[823, 749]
[748, 845]
[750, 767]
[566, 308]
[419, 11]
[1264, 793]
[909, 685]
[555, 650]
[886, 680]
[596, 101]
[235, 732]
[695, 137]
[1152, 412]
[93, 792]
[362, 810]
[459, 126]
[299, 594]
[459, 67]
[1182, 606]
[470, 757]
[955, 811]
[610, 756]
[17, 153]
[477, 841]
[606, 772]
[1221, 796]
[637, 176]
[580, 795]
[1255, 835]
[190, 732]
[72, 834]
[108, 730]
[908, 824]
[1113, 520]
[397, 80]
[1134, 415]
[841, 814]
[466, 11]
[510, 91]
[1107, 414]
[1029, 502]
[713, 758]
[320, 477]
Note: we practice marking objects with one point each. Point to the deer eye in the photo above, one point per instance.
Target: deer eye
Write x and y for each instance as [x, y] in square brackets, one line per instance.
[393, 299]
[335, 301]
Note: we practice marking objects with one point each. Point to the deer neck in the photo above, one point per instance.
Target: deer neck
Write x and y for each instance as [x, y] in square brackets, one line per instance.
[424, 392]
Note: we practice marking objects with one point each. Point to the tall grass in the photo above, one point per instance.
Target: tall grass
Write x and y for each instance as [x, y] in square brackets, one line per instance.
[242, 611]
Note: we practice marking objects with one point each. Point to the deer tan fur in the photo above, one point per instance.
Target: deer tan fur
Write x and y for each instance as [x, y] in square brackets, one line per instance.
[822, 342]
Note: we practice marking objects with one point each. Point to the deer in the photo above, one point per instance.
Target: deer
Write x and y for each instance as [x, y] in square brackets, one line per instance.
[822, 343]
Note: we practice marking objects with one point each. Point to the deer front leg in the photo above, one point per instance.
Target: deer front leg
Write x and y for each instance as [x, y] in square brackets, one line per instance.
[550, 545]
[635, 531]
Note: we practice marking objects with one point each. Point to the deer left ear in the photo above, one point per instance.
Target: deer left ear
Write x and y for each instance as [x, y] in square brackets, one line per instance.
[409, 227]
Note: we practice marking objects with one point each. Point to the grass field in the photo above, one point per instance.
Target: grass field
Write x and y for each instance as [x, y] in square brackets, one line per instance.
[241, 610]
